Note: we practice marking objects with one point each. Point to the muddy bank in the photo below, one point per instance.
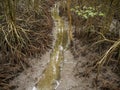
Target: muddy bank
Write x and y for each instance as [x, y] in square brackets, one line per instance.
[29, 77]
[86, 72]
[77, 73]
[33, 39]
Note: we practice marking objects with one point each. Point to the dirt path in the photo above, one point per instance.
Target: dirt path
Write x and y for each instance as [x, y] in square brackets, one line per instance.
[29, 77]
[67, 77]
[72, 77]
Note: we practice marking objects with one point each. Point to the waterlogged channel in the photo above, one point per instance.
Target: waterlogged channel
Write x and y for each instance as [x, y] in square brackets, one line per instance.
[51, 76]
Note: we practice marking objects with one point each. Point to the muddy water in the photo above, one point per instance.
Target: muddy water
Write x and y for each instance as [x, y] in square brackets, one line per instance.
[51, 75]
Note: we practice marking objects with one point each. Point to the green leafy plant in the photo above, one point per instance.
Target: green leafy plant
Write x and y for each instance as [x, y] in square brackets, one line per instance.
[87, 12]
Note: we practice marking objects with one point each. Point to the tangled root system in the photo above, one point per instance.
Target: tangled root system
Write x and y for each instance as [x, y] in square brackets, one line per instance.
[29, 36]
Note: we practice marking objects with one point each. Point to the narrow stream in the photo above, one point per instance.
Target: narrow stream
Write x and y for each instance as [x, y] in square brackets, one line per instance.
[51, 76]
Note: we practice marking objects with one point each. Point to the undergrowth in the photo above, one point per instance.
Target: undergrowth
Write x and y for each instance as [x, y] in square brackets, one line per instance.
[25, 32]
[97, 25]
[93, 21]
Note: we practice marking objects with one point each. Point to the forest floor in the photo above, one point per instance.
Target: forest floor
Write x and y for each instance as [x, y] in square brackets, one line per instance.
[76, 74]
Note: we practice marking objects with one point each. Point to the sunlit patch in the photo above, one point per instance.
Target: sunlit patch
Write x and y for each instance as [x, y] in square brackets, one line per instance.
[34, 88]
[57, 56]
[61, 48]
[57, 84]
[54, 69]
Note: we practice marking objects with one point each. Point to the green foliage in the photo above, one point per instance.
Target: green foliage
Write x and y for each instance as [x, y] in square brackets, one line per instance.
[87, 12]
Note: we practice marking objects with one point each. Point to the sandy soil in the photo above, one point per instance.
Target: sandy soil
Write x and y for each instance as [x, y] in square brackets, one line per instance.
[73, 74]
[29, 77]
[67, 77]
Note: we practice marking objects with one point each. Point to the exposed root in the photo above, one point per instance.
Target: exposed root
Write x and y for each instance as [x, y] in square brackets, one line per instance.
[28, 35]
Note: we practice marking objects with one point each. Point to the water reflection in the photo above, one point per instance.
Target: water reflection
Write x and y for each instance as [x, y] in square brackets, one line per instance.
[51, 76]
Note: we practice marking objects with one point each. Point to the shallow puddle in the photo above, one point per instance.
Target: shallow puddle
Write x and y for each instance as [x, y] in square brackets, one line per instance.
[51, 75]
